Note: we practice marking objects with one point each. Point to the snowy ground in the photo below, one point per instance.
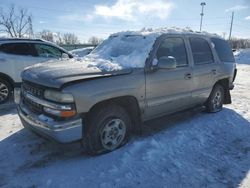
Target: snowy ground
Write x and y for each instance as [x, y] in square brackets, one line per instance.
[191, 149]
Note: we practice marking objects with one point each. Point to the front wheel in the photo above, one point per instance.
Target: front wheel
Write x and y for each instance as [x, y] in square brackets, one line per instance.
[216, 99]
[107, 129]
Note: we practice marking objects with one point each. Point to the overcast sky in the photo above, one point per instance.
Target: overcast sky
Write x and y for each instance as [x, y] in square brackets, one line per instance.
[101, 18]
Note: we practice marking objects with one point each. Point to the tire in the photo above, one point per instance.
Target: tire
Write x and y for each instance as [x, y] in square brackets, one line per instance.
[107, 128]
[5, 90]
[216, 99]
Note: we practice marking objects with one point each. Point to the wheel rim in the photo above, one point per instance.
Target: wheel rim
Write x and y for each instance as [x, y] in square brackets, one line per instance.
[113, 133]
[217, 101]
[4, 92]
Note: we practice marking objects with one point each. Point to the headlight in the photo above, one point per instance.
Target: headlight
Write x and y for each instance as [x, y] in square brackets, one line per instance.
[58, 96]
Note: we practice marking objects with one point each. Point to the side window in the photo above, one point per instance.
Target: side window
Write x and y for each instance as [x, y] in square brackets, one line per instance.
[202, 53]
[18, 49]
[223, 50]
[47, 51]
[174, 47]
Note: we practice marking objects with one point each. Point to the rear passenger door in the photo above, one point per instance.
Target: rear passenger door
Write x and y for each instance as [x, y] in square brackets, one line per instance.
[205, 69]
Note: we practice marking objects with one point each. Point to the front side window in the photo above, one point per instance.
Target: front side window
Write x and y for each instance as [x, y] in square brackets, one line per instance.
[201, 51]
[174, 47]
[18, 49]
[47, 51]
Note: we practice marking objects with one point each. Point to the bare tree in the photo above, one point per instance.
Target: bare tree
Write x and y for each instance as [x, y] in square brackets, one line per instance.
[16, 23]
[94, 40]
[70, 38]
[59, 38]
[237, 43]
[46, 35]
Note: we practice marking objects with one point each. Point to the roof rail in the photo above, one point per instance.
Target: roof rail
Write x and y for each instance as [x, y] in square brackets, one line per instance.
[20, 39]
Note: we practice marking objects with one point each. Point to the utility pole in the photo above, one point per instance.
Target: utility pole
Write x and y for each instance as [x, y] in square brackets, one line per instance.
[202, 14]
[231, 27]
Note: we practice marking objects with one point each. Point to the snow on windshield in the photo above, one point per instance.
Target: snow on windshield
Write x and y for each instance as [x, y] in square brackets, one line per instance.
[121, 51]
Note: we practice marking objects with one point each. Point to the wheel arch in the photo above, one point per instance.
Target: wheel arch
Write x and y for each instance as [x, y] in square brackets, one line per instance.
[225, 84]
[129, 103]
[8, 79]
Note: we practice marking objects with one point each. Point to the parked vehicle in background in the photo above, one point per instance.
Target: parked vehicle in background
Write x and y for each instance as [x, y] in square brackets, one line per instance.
[81, 52]
[16, 54]
[131, 77]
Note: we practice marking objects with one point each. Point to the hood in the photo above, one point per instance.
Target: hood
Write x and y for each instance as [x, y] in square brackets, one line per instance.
[56, 74]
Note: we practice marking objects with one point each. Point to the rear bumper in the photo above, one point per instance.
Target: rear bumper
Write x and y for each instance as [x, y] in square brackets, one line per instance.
[60, 131]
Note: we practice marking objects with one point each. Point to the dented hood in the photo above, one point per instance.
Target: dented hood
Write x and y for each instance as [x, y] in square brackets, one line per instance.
[56, 74]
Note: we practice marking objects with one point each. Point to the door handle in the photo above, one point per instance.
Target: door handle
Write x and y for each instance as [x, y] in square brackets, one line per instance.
[214, 71]
[188, 76]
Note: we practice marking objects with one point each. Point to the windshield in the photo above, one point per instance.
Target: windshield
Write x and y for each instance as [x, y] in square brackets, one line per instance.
[124, 50]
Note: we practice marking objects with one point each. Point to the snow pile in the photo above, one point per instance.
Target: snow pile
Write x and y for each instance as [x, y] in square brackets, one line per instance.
[81, 52]
[242, 56]
[127, 49]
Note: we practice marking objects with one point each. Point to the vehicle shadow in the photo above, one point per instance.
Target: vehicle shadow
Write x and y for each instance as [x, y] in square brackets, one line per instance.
[213, 149]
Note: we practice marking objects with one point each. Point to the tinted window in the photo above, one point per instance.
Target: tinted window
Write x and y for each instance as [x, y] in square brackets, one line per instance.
[223, 50]
[47, 51]
[174, 47]
[202, 53]
[18, 49]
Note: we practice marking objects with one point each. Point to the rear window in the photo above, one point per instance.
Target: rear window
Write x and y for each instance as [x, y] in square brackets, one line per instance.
[223, 50]
[201, 51]
[18, 49]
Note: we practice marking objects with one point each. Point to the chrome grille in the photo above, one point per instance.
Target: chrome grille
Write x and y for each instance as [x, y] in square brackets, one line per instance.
[34, 90]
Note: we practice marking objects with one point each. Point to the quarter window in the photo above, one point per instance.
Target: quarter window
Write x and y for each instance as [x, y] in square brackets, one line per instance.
[223, 50]
[47, 51]
[174, 47]
[201, 51]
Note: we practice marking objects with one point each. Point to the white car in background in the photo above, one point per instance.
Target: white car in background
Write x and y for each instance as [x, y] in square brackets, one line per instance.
[81, 52]
[16, 54]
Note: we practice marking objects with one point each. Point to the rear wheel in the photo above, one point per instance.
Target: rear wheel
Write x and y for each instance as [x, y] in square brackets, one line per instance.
[108, 128]
[216, 99]
[5, 90]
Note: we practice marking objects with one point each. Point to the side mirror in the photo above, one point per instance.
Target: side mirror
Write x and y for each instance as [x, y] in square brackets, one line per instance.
[167, 62]
[64, 55]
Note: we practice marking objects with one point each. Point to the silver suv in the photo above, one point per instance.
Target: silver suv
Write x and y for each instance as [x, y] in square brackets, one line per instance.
[16, 54]
[102, 107]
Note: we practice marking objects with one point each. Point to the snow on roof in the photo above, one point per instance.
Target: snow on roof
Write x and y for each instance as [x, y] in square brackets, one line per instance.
[129, 48]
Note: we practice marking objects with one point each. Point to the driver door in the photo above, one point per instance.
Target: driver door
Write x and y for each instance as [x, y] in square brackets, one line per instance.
[169, 90]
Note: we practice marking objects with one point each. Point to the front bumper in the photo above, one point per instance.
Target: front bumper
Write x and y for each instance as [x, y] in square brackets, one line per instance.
[60, 131]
